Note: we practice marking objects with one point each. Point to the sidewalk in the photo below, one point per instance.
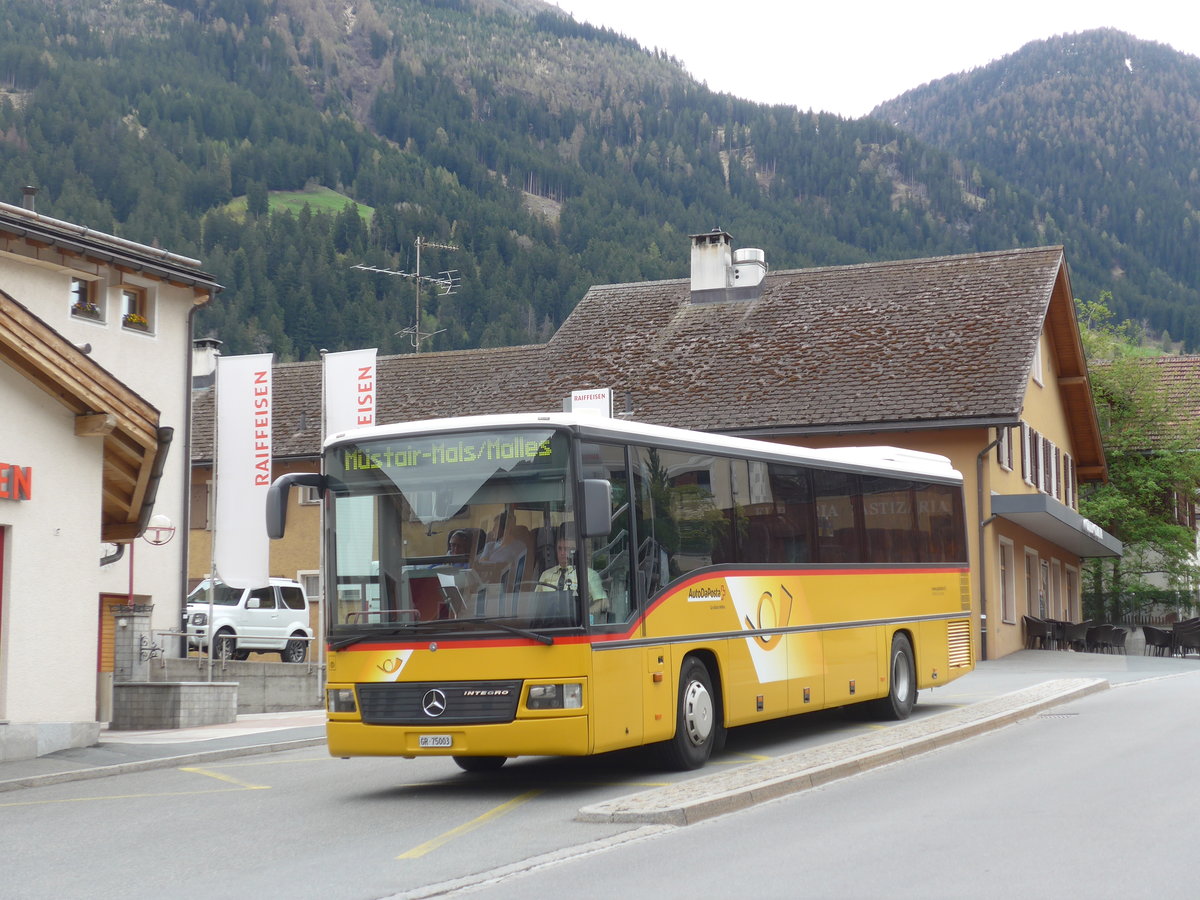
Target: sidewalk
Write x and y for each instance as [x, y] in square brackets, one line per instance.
[996, 693]
[130, 751]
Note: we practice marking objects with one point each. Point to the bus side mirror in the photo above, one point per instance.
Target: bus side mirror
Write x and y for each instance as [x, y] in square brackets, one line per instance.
[597, 507]
[277, 498]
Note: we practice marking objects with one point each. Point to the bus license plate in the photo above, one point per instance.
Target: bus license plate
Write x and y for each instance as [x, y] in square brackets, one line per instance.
[435, 740]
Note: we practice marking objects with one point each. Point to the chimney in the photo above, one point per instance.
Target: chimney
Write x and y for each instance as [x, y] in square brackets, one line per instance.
[29, 192]
[204, 362]
[720, 274]
[712, 261]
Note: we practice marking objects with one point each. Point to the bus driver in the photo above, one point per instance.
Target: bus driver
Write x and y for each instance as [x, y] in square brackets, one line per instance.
[563, 577]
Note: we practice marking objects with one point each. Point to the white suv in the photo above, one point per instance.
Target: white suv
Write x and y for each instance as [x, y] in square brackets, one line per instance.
[272, 618]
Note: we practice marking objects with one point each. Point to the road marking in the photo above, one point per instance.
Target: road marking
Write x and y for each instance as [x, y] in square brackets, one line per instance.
[226, 778]
[440, 840]
[124, 797]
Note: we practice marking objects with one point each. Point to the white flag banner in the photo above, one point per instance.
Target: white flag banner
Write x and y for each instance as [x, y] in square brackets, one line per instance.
[349, 390]
[241, 548]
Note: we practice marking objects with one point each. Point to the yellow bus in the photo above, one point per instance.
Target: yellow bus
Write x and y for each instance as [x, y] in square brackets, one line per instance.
[561, 584]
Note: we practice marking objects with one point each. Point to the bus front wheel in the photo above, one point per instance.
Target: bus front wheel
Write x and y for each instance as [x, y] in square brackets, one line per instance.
[902, 682]
[480, 763]
[697, 729]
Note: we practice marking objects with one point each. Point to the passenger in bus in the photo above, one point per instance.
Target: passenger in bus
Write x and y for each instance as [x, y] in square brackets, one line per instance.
[564, 577]
[506, 557]
[465, 542]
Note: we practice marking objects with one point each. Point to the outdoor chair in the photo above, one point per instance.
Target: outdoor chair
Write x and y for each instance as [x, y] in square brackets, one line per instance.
[1118, 639]
[1186, 639]
[1099, 638]
[1075, 636]
[1038, 633]
[1158, 641]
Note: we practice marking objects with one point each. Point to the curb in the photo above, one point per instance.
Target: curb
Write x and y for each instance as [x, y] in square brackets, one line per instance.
[162, 762]
[702, 798]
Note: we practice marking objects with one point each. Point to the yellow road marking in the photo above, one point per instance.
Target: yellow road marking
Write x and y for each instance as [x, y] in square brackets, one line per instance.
[123, 797]
[440, 840]
[227, 778]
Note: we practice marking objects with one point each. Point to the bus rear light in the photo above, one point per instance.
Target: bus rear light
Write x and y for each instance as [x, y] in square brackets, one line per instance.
[555, 696]
[341, 700]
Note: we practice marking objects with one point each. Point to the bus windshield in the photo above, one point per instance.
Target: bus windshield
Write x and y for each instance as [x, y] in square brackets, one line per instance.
[449, 533]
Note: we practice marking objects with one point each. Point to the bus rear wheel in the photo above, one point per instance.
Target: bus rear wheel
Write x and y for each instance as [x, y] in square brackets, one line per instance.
[902, 682]
[697, 726]
[480, 763]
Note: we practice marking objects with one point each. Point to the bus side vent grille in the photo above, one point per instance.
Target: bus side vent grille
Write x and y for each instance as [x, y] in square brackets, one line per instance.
[965, 592]
[959, 635]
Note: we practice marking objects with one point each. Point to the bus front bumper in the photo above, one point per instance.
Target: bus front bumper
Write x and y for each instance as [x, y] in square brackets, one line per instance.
[557, 736]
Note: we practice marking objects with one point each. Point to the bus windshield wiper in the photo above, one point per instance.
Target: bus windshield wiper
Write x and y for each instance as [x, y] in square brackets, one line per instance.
[513, 629]
[341, 641]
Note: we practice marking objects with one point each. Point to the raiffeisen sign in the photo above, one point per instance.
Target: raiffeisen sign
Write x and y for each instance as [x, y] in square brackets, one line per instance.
[16, 482]
[598, 400]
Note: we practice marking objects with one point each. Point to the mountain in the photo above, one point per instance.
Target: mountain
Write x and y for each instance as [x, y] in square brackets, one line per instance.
[1102, 128]
[543, 155]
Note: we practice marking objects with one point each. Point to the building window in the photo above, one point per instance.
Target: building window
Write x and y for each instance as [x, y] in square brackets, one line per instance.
[1070, 482]
[311, 582]
[1074, 612]
[1030, 455]
[1004, 450]
[309, 495]
[135, 308]
[1035, 602]
[1045, 467]
[83, 300]
[200, 514]
[1037, 362]
[1008, 588]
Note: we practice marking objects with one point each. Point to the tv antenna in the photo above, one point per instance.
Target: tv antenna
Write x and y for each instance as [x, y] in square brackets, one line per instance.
[446, 283]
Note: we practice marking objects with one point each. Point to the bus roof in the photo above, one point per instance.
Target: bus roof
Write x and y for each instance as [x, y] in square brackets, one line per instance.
[889, 460]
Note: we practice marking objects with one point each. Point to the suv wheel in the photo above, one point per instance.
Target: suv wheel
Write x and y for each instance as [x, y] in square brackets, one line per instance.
[226, 644]
[295, 651]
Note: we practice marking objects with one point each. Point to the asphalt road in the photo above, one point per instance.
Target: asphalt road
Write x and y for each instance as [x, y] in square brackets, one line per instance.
[1096, 798]
[301, 823]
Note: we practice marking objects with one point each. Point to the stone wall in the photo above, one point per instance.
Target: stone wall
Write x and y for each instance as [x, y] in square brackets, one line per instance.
[262, 687]
[153, 705]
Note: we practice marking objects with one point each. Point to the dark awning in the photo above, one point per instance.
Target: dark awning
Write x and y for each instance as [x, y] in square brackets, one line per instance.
[1046, 517]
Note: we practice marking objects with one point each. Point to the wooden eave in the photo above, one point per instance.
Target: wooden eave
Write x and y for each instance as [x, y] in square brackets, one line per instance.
[104, 407]
[1073, 382]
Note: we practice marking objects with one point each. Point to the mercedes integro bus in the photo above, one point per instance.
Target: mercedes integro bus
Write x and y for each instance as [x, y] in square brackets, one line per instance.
[561, 584]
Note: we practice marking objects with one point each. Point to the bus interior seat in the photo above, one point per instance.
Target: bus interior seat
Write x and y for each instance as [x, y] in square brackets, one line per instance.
[426, 593]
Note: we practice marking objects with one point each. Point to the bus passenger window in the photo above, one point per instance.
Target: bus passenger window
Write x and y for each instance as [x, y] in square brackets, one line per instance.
[789, 520]
[839, 531]
[888, 519]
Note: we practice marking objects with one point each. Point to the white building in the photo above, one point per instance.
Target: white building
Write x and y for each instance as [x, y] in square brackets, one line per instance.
[95, 388]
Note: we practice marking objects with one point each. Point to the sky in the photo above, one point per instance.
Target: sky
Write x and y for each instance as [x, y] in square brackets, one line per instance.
[847, 57]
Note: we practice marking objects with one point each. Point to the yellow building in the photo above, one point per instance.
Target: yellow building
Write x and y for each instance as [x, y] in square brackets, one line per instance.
[975, 357]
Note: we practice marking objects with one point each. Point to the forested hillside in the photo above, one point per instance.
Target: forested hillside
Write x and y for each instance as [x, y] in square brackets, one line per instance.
[1105, 130]
[551, 154]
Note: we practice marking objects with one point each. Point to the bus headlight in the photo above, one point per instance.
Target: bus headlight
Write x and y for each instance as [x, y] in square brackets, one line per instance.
[555, 696]
[341, 700]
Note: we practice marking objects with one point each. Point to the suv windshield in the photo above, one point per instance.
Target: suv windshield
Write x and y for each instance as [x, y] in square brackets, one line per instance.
[223, 595]
[451, 533]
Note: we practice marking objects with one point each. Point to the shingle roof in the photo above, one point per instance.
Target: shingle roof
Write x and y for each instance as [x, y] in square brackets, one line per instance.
[912, 342]
[916, 343]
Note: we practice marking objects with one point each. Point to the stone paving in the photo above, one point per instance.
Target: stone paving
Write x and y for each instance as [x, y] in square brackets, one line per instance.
[711, 795]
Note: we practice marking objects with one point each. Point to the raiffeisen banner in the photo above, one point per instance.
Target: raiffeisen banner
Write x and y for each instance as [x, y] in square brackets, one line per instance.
[349, 390]
[243, 470]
